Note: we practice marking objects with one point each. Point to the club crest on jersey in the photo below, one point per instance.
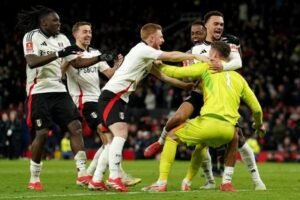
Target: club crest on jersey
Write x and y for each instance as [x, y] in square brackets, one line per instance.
[38, 122]
[60, 44]
[122, 115]
[94, 115]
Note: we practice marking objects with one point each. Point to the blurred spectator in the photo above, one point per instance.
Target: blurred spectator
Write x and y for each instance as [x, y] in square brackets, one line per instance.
[65, 146]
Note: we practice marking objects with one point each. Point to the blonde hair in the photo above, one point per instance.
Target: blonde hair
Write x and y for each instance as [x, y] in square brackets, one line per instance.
[149, 29]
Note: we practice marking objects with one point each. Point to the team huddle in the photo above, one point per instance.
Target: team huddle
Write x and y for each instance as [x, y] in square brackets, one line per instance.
[208, 118]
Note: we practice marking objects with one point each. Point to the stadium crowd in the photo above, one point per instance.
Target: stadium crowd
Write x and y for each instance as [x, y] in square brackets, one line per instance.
[270, 46]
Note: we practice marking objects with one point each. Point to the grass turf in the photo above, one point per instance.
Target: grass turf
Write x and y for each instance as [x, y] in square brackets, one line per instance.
[58, 177]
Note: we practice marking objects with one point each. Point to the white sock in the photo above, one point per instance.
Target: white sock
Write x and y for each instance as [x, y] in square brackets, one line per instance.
[35, 171]
[248, 157]
[227, 174]
[115, 156]
[92, 167]
[207, 168]
[101, 165]
[121, 170]
[80, 159]
[163, 136]
[161, 182]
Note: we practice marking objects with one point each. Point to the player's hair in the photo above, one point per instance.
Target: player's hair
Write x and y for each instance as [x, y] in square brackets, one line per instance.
[149, 29]
[212, 13]
[78, 24]
[222, 47]
[28, 20]
[198, 22]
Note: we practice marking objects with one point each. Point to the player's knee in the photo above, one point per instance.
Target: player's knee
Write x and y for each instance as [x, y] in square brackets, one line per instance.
[241, 139]
[75, 127]
[42, 135]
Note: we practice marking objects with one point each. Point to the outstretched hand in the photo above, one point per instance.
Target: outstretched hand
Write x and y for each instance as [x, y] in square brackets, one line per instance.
[73, 49]
[259, 129]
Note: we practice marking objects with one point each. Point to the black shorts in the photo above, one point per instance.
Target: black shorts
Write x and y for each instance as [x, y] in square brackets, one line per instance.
[112, 108]
[92, 115]
[196, 99]
[45, 109]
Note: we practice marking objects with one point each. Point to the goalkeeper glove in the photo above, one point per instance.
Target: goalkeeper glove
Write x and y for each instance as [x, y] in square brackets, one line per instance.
[259, 130]
[73, 49]
[106, 57]
[231, 39]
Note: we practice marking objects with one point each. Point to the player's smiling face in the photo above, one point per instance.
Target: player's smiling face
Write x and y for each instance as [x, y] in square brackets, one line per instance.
[84, 35]
[215, 27]
[157, 39]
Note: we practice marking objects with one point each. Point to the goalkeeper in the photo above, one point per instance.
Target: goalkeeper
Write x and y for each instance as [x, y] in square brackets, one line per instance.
[215, 125]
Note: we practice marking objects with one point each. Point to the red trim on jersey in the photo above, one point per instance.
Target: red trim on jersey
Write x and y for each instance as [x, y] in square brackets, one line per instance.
[112, 102]
[29, 105]
[80, 104]
[103, 129]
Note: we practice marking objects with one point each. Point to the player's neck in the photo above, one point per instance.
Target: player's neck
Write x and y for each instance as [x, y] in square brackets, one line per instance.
[85, 47]
[209, 38]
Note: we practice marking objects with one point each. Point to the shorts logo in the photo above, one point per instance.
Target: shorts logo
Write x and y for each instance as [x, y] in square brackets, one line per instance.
[187, 98]
[29, 46]
[121, 115]
[38, 122]
[94, 115]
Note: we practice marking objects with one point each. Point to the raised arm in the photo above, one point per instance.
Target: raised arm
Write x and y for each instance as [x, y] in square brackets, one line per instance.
[172, 81]
[194, 71]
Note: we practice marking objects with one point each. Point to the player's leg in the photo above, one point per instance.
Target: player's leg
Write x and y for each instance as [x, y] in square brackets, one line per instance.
[206, 128]
[214, 161]
[68, 117]
[35, 163]
[120, 132]
[166, 161]
[92, 166]
[248, 157]
[221, 156]
[39, 119]
[206, 166]
[230, 160]
[97, 182]
[197, 158]
[77, 146]
[180, 116]
[113, 117]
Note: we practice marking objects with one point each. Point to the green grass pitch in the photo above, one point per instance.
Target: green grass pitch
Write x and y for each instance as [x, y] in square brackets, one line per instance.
[58, 177]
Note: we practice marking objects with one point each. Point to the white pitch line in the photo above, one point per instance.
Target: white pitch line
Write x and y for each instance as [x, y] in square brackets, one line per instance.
[98, 193]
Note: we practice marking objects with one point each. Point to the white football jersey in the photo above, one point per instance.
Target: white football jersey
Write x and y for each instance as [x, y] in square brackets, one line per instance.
[46, 78]
[136, 65]
[85, 82]
[234, 62]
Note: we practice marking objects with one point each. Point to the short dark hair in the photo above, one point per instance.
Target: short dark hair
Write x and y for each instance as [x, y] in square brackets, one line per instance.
[222, 47]
[78, 24]
[212, 13]
[198, 22]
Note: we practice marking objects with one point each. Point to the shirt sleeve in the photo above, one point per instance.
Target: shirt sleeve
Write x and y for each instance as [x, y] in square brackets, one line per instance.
[150, 53]
[30, 44]
[250, 99]
[235, 61]
[194, 71]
